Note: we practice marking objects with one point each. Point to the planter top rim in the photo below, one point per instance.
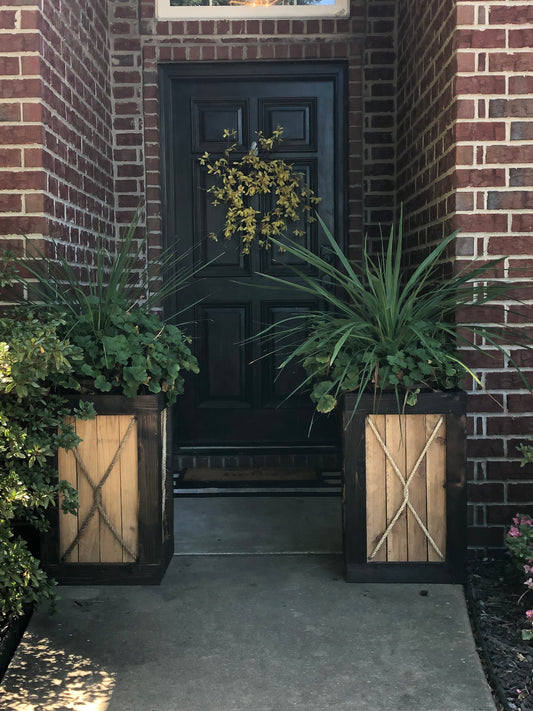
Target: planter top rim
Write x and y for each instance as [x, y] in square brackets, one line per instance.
[120, 404]
[439, 402]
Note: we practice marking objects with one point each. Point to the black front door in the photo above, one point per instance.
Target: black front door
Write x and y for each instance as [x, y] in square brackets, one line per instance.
[238, 400]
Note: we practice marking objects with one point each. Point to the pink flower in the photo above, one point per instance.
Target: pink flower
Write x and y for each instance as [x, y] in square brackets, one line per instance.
[514, 532]
[529, 614]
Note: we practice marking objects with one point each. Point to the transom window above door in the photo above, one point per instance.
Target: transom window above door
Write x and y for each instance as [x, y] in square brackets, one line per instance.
[249, 9]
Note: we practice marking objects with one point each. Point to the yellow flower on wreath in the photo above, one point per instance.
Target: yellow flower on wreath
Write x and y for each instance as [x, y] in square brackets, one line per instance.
[240, 179]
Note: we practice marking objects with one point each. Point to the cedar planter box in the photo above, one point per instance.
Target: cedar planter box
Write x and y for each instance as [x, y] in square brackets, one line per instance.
[404, 504]
[123, 533]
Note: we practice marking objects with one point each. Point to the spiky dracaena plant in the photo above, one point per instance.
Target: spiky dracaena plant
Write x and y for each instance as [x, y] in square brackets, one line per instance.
[380, 328]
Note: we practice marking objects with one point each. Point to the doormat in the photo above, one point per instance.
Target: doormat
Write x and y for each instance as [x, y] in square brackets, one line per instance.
[206, 474]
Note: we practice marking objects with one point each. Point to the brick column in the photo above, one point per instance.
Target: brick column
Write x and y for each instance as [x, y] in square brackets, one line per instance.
[379, 122]
[23, 177]
[494, 197]
[56, 179]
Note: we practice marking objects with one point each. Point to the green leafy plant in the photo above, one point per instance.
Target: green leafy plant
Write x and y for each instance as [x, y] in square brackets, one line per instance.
[33, 357]
[379, 328]
[238, 180]
[526, 450]
[112, 317]
[134, 351]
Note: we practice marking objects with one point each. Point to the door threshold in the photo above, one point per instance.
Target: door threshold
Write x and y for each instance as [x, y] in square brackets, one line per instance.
[259, 553]
[276, 449]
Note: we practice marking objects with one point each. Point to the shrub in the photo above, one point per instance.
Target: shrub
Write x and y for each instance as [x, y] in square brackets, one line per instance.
[32, 359]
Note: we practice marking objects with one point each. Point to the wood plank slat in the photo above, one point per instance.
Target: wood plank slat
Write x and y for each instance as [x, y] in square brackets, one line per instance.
[395, 441]
[376, 491]
[108, 443]
[68, 523]
[89, 544]
[436, 488]
[415, 440]
[129, 490]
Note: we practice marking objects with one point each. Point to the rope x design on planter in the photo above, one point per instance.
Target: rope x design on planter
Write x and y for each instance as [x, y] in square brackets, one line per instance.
[405, 482]
[97, 498]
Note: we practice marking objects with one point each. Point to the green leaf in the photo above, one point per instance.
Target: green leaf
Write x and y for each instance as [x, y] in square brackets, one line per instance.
[326, 403]
[101, 383]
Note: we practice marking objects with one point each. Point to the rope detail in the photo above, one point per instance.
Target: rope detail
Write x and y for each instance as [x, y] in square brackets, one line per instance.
[405, 482]
[97, 498]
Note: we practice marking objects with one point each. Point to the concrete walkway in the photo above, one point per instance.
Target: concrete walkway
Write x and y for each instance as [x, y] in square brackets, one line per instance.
[250, 632]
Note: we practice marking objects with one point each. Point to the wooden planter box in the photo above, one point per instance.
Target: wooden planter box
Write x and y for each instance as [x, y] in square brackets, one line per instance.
[404, 504]
[123, 532]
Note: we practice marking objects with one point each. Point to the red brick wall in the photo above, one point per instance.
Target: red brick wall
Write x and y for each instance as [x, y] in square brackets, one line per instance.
[77, 116]
[23, 179]
[56, 172]
[464, 100]
[426, 110]
[379, 97]
[494, 188]
[140, 44]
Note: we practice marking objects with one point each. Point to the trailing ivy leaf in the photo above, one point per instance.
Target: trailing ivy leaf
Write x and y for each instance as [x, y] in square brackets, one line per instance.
[412, 397]
[326, 403]
[102, 383]
[84, 410]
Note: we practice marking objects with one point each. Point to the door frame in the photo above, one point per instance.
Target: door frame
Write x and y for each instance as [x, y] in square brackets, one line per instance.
[334, 70]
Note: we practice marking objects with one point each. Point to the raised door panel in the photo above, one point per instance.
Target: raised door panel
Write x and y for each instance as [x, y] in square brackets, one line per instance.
[298, 119]
[211, 118]
[280, 387]
[223, 350]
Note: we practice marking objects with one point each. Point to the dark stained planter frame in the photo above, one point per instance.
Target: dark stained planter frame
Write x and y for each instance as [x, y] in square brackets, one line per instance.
[155, 525]
[357, 569]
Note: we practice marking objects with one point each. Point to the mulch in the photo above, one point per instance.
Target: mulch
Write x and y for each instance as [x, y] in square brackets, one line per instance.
[494, 590]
